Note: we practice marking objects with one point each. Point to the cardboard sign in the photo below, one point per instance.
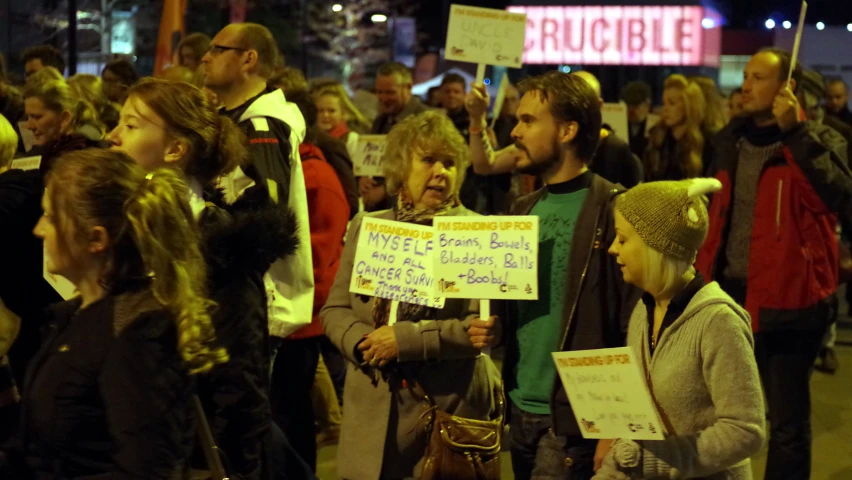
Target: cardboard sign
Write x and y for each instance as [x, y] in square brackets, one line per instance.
[26, 163]
[487, 257]
[62, 285]
[615, 115]
[393, 260]
[485, 36]
[608, 394]
[367, 161]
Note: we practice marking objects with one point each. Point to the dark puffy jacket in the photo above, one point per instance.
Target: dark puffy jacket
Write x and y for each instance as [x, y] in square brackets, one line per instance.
[240, 242]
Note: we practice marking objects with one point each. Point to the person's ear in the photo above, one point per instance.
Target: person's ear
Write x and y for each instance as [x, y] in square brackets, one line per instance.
[98, 240]
[176, 150]
[567, 132]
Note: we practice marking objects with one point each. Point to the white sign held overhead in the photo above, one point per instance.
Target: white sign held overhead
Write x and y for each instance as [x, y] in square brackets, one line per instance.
[393, 260]
[485, 36]
[367, 161]
[608, 394]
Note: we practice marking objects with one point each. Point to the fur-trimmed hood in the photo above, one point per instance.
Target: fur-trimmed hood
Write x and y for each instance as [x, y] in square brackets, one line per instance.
[247, 236]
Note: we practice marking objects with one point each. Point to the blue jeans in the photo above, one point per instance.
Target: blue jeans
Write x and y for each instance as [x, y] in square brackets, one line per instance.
[540, 455]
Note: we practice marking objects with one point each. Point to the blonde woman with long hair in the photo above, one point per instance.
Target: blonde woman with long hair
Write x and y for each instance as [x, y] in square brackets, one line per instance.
[338, 116]
[676, 149]
[109, 394]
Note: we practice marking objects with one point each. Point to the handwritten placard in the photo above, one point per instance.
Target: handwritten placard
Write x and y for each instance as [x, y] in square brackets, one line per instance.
[26, 163]
[62, 285]
[486, 36]
[368, 159]
[393, 260]
[608, 394]
[487, 257]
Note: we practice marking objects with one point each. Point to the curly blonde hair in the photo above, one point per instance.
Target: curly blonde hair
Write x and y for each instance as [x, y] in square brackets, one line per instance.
[690, 147]
[429, 133]
[152, 235]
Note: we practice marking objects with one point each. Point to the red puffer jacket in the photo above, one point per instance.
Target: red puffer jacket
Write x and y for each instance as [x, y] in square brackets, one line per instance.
[793, 256]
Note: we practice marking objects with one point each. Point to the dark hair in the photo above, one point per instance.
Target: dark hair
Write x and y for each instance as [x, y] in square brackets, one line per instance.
[636, 92]
[303, 99]
[289, 80]
[3, 72]
[784, 59]
[571, 99]
[454, 78]
[124, 70]
[258, 38]
[49, 55]
[395, 68]
[197, 42]
[217, 145]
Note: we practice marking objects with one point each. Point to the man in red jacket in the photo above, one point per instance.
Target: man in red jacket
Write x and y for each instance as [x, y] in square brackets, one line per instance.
[772, 244]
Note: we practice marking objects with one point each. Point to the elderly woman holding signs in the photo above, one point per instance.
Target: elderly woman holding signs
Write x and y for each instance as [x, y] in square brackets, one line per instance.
[395, 363]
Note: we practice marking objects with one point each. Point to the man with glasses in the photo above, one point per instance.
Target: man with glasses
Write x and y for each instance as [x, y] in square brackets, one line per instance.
[237, 67]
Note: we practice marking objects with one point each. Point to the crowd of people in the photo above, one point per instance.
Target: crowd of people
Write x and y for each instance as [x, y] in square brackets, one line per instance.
[208, 220]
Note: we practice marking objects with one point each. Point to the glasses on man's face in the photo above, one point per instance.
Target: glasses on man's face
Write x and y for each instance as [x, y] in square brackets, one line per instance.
[216, 50]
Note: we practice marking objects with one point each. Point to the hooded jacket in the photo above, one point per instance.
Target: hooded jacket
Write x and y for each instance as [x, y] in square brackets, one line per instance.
[240, 242]
[275, 128]
[705, 383]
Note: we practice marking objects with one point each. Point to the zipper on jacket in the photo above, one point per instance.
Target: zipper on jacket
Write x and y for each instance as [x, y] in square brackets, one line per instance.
[778, 210]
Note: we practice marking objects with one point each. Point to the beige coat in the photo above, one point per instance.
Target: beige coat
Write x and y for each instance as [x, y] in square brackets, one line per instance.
[380, 436]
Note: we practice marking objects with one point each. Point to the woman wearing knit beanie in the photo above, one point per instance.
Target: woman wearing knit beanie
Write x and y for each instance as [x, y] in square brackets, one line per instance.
[694, 344]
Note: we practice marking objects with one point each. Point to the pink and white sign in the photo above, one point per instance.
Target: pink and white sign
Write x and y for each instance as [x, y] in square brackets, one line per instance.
[619, 35]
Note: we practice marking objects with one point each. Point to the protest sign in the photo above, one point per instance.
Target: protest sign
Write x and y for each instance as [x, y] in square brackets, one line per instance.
[485, 36]
[368, 159]
[393, 260]
[62, 285]
[615, 116]
[486, 257]
[26, 163]
[608, 394]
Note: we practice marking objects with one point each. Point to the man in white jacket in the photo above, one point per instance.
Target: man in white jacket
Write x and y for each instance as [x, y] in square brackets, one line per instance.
[241, 59]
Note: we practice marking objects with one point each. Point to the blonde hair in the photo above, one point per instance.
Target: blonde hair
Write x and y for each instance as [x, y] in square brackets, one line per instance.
[662, 272]
[429, 133]
[152, 235]
[690, 147]
[91, 88]
[8, 142]
[57, 95]
[714, 115]
[354, 118]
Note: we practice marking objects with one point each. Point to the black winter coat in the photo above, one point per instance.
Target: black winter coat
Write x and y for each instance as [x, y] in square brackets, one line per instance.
[240, 242]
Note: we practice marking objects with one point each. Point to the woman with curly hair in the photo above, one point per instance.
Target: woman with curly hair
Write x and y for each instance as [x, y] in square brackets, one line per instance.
[676, 149]
[382, 435]
[110, 391]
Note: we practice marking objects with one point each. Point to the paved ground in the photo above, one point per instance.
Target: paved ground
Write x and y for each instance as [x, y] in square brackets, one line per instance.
[832, 423]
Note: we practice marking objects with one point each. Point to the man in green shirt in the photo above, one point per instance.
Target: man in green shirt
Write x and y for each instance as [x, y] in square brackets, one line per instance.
[583, 302]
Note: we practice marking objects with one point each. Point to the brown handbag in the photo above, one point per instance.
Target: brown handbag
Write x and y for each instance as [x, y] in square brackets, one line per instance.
[463, 448]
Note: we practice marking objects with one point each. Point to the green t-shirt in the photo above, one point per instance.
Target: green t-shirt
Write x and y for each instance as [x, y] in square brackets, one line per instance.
[540, 321]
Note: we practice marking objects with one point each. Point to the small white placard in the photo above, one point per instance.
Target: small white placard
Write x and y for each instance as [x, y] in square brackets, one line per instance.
[369, 157]
[486, 36]
[393, 260]
[608, 394]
